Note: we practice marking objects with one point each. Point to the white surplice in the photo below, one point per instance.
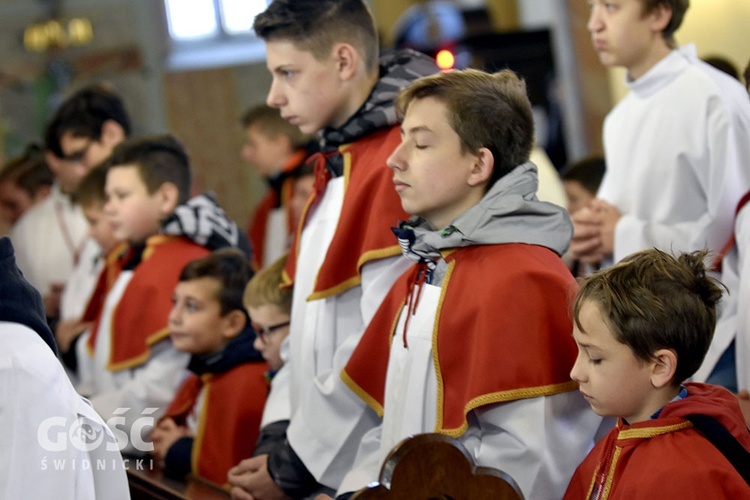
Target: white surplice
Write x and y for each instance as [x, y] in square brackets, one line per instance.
[40, 416]
[539, 441]
[328, 420]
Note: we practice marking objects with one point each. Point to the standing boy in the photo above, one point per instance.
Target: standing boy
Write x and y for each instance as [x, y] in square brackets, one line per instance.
[642, 328]
[676, 147]
[439, 358]
[213, 421]
[136, 368]
[277, 150]
[323, 55]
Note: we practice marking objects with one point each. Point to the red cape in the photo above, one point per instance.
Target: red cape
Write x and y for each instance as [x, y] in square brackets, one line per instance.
[667, 457]
[229, 421]
[107, 277]
[140, 317]
[502, 333]
[256, 231]
[371, 206]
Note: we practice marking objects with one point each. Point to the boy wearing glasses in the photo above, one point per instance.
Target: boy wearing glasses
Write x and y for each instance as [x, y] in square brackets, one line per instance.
[218, 408]
[269, 306]
[473, 341]
[82, 133]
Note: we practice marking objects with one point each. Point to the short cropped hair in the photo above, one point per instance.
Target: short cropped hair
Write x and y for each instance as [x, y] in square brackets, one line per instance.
[230, 268]
[159, 159]
[83, 114]
[315, 26]
[652, 300]
[90, 191]
[271, 124]
[265, 288]
[588, 172]
[29, 171]
[486, 111]
[678, 7]
[746, 75]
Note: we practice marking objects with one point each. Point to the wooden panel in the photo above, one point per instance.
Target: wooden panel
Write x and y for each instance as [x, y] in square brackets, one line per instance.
[203, 112]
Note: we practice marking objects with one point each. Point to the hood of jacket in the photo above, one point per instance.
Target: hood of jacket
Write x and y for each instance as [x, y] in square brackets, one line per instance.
[19, 301]
[712, 401]
[508, 213]
[397, 70]
[239, 350]
[203, 221]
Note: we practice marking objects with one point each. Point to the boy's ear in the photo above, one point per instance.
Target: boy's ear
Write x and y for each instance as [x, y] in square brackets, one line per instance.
[233, 324]
[347, 59]
[169, 197]
[112, 133]
[660, 17]
[664, 366]
[481, 170]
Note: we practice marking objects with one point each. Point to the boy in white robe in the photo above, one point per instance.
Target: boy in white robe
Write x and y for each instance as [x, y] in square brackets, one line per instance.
[54, 445]
[677, 149]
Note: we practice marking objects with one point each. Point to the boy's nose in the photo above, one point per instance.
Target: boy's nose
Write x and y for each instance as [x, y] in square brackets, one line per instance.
[594, 23]
[275, 98]
[394, 161]
[174, 316]
[575, 372]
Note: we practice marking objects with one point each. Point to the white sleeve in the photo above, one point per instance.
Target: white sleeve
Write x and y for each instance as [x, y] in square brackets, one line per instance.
[326, 429]
[85, 385]
[367, 464]
[724, 176]
[277, 407]
[742, 297]
[147, 393]
[539, 442]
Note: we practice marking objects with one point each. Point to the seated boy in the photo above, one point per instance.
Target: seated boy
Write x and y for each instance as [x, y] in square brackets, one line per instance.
[452, 346]
[642, 328]
[269, 306]
[136, 370]
[213, 421]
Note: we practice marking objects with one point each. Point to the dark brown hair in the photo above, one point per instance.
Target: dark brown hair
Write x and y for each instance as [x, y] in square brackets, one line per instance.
[486, 110]
[652, 300]
[230, 268]
[316, 26]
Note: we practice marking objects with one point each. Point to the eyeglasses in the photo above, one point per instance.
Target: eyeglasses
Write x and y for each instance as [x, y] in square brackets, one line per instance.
[265, 331]
[79, 155]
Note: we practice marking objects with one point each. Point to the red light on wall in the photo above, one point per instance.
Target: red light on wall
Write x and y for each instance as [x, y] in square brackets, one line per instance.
[445, 59]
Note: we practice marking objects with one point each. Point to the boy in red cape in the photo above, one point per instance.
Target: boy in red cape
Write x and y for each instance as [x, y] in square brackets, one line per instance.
[214, 420]
[642, 328]
[473, 341]
[136, 370]
[328, 79]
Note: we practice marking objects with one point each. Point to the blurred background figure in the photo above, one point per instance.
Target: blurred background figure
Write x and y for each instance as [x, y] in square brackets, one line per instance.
[581, 180]
[24, 181]
[277, 150]
[723, 64]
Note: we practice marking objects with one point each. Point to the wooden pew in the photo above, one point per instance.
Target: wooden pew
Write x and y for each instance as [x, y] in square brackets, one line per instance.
[152, 484]
[439, 467]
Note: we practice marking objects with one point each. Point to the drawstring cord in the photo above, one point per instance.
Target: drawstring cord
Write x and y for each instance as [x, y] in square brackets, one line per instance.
[421, 274]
